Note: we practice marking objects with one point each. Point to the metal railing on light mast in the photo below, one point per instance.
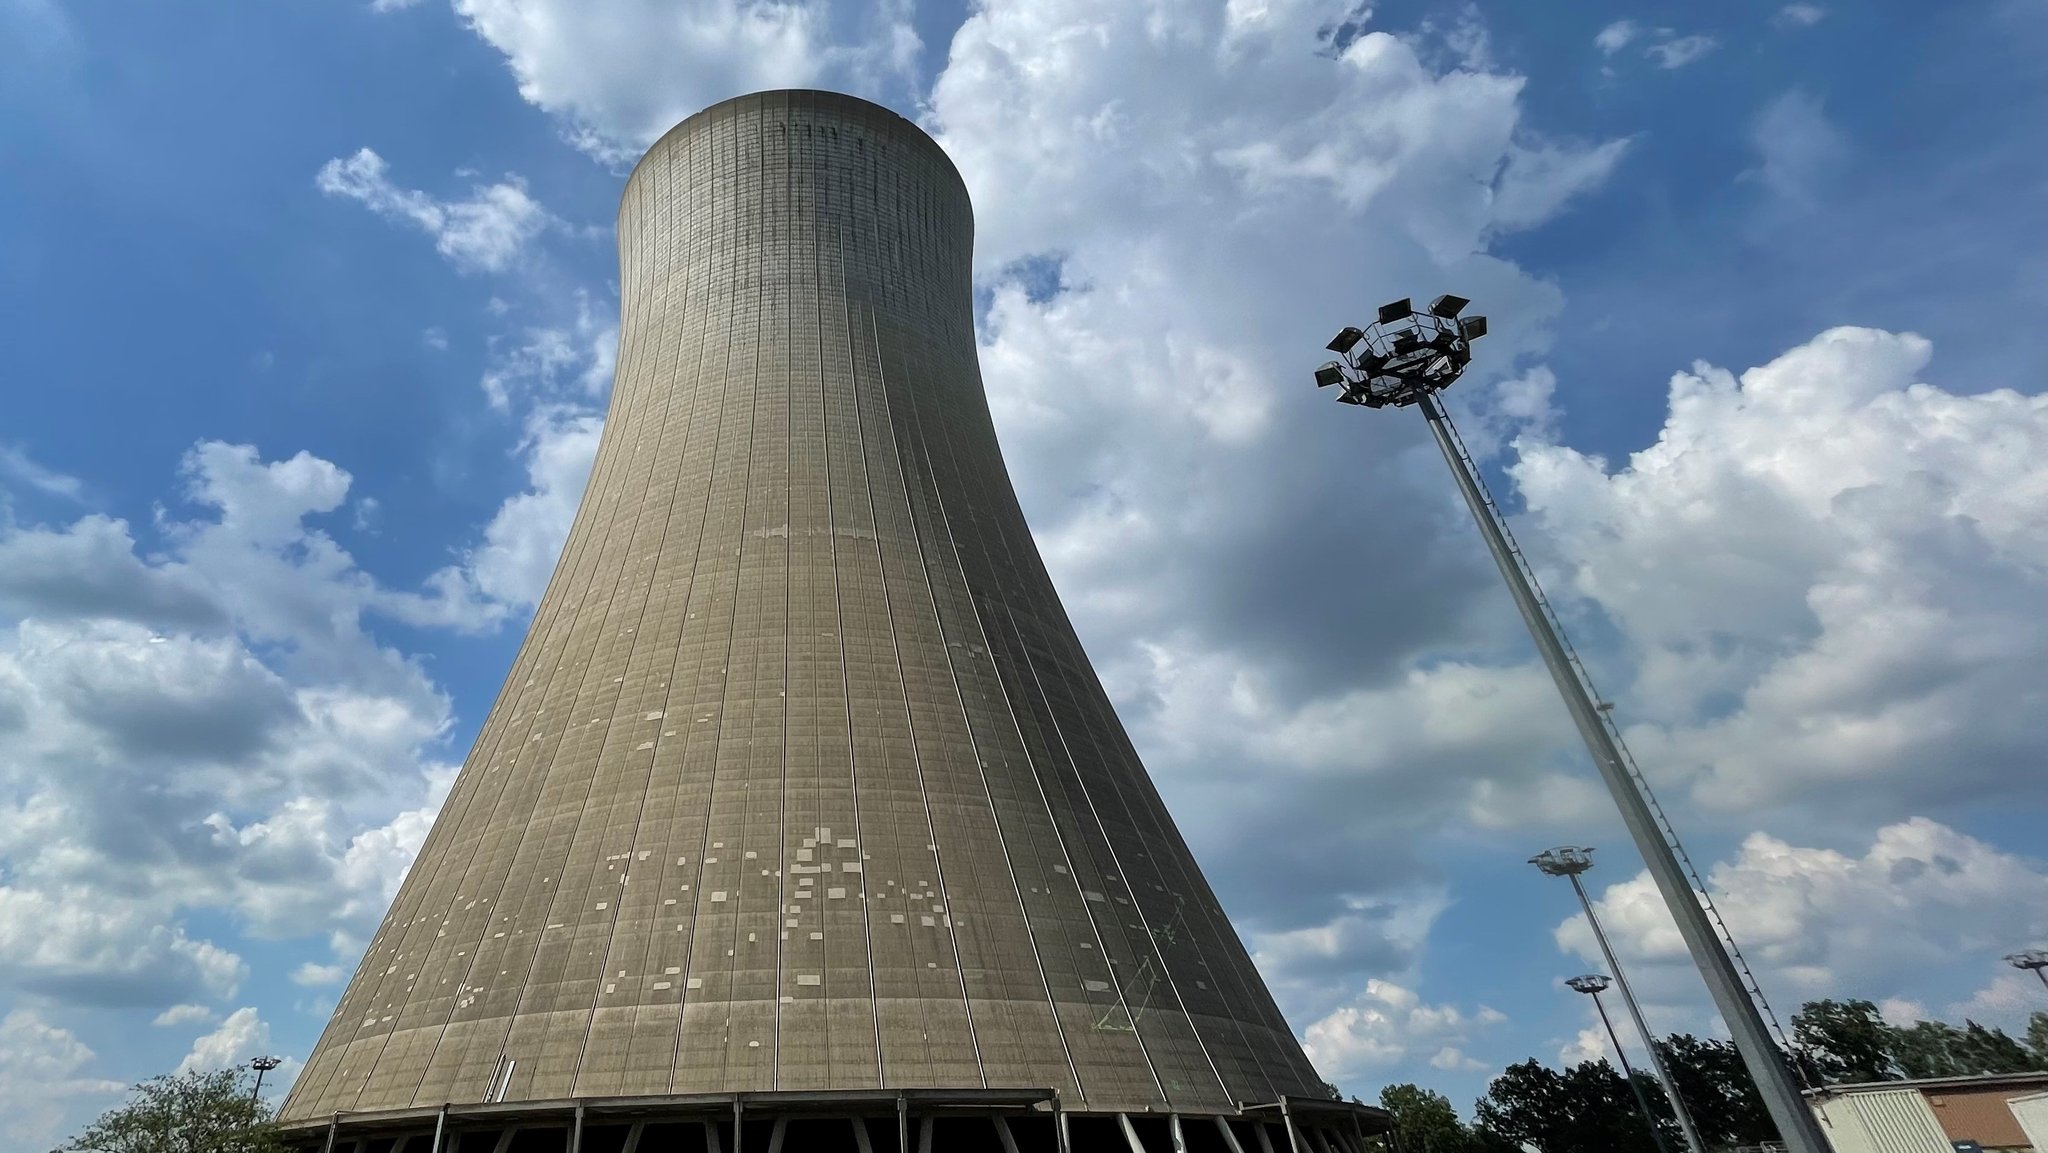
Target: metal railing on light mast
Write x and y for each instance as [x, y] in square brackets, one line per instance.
[1404, 358]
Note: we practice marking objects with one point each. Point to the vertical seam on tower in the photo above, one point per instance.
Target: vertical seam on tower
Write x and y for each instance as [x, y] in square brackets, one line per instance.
[974, 743]
[867, 923]
[916, 756]
[1094, 927]
[739, 576]
[703, 535]
[788, 554]
[640, 637]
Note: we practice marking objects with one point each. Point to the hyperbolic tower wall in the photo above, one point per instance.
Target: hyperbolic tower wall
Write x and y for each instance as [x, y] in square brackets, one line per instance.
[801, 779]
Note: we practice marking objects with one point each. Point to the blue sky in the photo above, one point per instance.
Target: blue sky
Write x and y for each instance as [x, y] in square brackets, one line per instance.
[292, 430]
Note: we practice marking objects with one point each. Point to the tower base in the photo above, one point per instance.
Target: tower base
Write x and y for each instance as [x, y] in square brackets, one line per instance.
[846, 1121]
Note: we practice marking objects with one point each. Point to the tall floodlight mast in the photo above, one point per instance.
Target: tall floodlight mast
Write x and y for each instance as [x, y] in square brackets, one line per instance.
[1593, 984]
[1407, 356]
[1569, 861]
[2032, 960]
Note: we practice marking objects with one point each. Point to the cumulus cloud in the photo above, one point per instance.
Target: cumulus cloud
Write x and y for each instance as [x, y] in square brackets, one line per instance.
[621, 72]
[313, 974]
[204, 728]
[1866, 922]
[40, 1066]
[1388, 1023]
[241, 1035]
[1829, 573]
[520, 544]
[182, 1015]
[487, 232]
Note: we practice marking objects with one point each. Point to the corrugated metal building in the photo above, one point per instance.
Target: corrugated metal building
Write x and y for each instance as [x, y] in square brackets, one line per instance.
[1937, 1115]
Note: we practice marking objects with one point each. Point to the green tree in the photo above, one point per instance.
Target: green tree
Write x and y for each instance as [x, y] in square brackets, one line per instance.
[1715, 1085]
[196, 1112]
[1981, 1050]
[1585, 1109]
[1845, 1041]
[1927, 1049]
[2037, 1039]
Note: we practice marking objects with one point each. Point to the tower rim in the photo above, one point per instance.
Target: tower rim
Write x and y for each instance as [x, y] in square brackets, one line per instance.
[909, 129]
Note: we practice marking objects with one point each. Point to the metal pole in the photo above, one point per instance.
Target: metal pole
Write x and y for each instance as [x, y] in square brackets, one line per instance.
[1794, 1121]
[1635, 1012]
[1629, 1075]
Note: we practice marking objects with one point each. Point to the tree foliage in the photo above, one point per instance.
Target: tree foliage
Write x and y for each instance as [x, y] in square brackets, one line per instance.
[1715, 1086]
[1587, 1108]
[1845, 1041]
[198, 1112]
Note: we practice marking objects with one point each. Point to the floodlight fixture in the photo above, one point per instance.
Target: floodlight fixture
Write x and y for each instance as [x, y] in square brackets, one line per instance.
[1405, 358]
[1342, 342]
[1329, 374]
[1593, 984]
[1564, 861]
[2035, 960]
[1589, 983]
[1569, 862]
[262, 1065]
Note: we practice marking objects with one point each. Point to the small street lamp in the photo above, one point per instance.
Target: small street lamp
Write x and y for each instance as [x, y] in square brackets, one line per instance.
[1568, 861]
[262, 1065]
[2034, 959]
[1592, 984]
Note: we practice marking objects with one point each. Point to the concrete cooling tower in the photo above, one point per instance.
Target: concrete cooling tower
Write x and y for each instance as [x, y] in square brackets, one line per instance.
[802, 821]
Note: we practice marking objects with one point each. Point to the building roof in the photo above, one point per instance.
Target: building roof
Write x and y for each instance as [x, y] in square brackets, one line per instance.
[1940, 1084]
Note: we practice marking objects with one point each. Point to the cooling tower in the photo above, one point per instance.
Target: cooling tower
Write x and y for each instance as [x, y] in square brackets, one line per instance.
[802, 820]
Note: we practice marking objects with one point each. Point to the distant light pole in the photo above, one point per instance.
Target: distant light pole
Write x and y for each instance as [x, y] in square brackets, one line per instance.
[1408, 356]
[1592, 984]
[1569, 861]
[262, 1065]
[2034, 959]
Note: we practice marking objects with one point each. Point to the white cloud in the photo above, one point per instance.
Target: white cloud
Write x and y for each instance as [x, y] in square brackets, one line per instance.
[207, 729]
[524, 538]
[18, 466]
[1798, 148]
[1799, 16]
[1823, 922]
[1388, 1023]
[1679, 51]
[1617, 36]
[621, 72]
[487, 232]
[39, 1079]
[1829, 576]
[1663, 46]
[182, 1015]
[242, 1035]
[314, 975]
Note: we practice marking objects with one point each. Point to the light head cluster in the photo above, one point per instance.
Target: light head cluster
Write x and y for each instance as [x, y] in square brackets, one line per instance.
[1589, 983]
[1404, 355]
[1564, 861]
[2034, 959]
